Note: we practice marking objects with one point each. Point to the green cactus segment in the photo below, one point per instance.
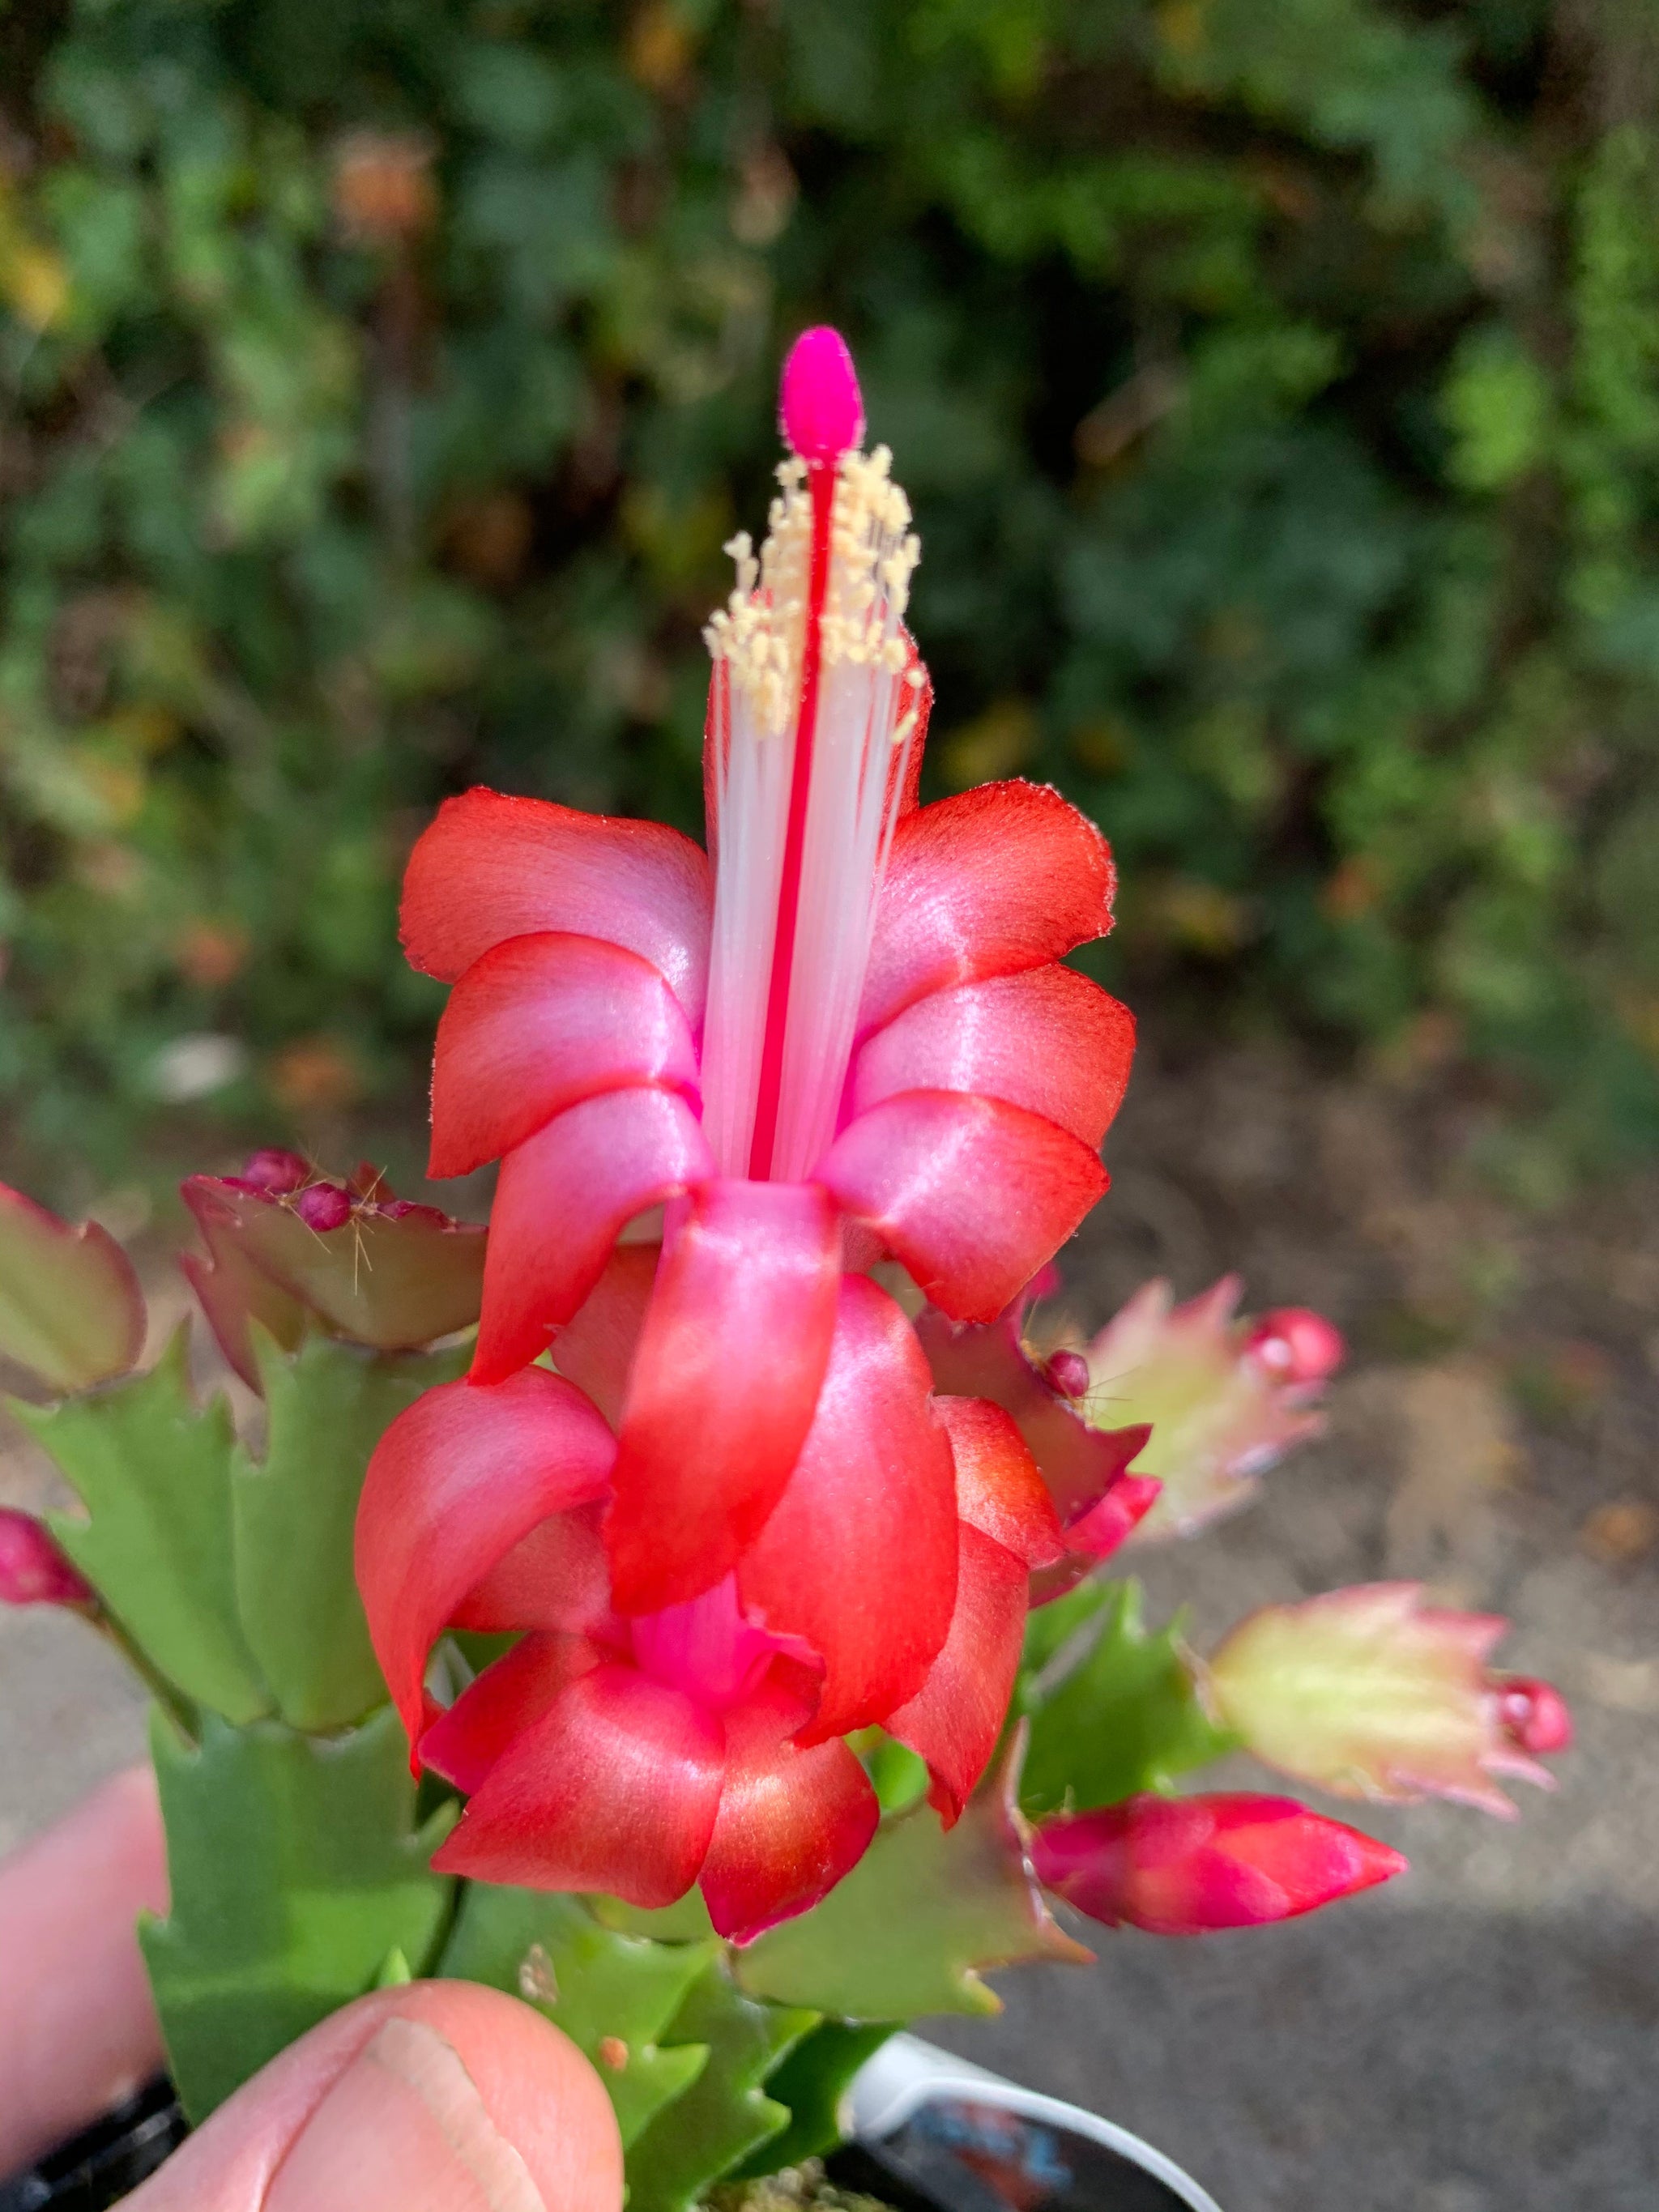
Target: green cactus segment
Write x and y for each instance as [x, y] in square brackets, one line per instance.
[297, 1871]
[70, 1309]
[293, 1512]
[614, 1995]
[811, 2082]
[153, 1471]
[1124, 1717]
[685, 1921]
[923, 1912]
[725, 2113]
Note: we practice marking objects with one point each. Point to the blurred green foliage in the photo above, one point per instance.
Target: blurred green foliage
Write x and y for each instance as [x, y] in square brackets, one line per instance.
[1277, 382]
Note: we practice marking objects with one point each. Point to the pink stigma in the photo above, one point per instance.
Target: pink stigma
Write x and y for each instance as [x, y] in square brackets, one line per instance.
[819, 404]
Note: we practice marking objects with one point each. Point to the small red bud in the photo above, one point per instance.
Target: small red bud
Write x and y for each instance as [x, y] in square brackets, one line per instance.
[1296, 1345]
[1068, 1372]
[324, 1207]
[1534, 1714]
[33, 1571]
[1182, 1866]
[820, 408]
[273, 1170]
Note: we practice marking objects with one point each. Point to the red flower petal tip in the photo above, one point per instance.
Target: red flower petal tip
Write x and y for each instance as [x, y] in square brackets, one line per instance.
[820, 408]
[1534, 1715]
[33, 1571]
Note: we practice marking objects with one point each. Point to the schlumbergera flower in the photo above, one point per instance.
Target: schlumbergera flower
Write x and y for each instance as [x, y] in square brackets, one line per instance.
[843, 1037]
[1370, 1692]
[1183, 1866]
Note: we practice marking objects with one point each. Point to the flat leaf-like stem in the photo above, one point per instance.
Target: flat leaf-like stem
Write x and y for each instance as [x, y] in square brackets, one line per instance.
[725, 2113]
[924, 1911]
[293, 1512]
[811, 2082]
[297, 1872]
[1126, 1715]
[70, 1309]
[153, 1471]
[614, 1995]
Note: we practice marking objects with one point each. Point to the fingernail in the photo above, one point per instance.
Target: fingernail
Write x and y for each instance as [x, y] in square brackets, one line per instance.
[403, 2130]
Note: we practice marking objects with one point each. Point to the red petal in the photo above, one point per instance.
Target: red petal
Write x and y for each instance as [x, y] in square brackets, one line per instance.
[860, 1558]
[562, 1199]
[999, 1491]
[1004, 877]
[536, 1025]
[791, 1824]
[454, 1483]
[596, 1348]
[723, 1386]
[1048, 1040]
[972, 1195]
[508, 1698]
[1078, 1464]
[555, 1578]
[955, 1719]
[614, 1790]
[490, 867]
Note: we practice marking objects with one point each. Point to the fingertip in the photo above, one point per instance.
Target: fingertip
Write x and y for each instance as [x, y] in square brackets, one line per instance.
[78, 2029]
[285, 2129]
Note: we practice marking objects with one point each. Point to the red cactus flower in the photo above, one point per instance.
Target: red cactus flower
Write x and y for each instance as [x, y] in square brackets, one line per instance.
[638, 1753]
[33, 1570]
[1182, 1866]
[844, 1034]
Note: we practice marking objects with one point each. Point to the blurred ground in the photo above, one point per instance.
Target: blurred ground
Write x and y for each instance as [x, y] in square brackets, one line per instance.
[1479, 2037]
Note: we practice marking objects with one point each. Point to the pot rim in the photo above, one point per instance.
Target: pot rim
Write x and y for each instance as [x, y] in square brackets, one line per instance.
[892, 2083]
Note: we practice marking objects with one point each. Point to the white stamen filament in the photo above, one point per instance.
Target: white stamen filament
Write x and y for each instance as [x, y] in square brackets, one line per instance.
[866, 723]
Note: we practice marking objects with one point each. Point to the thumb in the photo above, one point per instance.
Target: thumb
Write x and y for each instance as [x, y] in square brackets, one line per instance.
[437, 2096]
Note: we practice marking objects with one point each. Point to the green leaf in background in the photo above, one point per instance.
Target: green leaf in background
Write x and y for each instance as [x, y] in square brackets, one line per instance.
[725, 2113]
[924, 1911]
[1126, 1717]
[70, 1309]
[297, 1871]
[293, 1515]
[811, 2082]
[153, 1470]
[614, 1995]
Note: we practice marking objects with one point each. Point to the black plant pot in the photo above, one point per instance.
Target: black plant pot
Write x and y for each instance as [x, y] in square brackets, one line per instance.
[100, 2165]
[926, 2133]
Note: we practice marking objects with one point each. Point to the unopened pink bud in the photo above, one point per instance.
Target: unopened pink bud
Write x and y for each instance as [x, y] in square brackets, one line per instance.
[33, 1570]
[1182, 1866]
[1068, 1372]
[820, 406]
[324, 1207]
[1534, 1715]
[1296, 1345]
[273, 1170]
